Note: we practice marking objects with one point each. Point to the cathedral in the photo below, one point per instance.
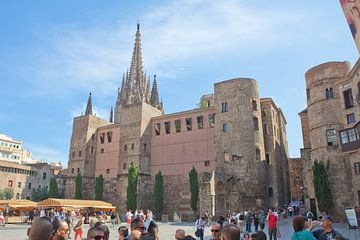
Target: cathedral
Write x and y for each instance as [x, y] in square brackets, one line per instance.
[235, 140]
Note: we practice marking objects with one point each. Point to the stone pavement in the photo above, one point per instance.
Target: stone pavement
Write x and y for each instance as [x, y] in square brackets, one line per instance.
[167, 231]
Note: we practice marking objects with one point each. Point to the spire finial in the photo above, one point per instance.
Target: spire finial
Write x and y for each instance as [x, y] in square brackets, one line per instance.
[138, 25]
[88, 110]
[111, 114]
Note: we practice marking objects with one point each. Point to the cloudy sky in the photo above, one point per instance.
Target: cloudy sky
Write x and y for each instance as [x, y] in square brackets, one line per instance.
[53, 53]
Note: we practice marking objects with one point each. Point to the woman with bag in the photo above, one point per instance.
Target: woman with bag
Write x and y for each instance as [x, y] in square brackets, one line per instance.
[78, 226]
[300, 225]
[200, 226]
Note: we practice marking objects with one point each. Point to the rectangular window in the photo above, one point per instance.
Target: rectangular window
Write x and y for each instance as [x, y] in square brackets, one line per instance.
[178, 125]
[109, 136]
[348, 99]
[211, 120]
[157, 129]
[329, 93]
[10, 183]
[265, 129]
[352, 135]
[78, 170]
[225, 127]
[124, 166]
[207, 163]
[44, 176]
[19, 184]
[350, 118]
[108, 171]
[92, 149]
[167, 127]
[267, 155]
[29, 186]
[224, 107]
[307, 93]
[79, 153]
[348, 136]
[200, 122]
[188, 124]
[254, 105]
[17, 196]
[102, 137]
[256, 123]
[101, 150]
[331, 137]
[357, 168]
[270, 192]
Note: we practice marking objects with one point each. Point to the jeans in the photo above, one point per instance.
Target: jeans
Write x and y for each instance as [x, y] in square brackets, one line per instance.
[272, 232]
[248, 227]
[256, 227]
[201, 234]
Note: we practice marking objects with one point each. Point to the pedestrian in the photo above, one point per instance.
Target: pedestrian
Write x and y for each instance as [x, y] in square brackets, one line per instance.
[200, 227]
[78, 226]
[272, 223]
[256, 221]
[112, 219]
[123, 233]
[60, 230]
[230, 232]
[95, 233]
[246, 236]
[241, 221]
[68, 221]
[248, 221]
[3, 220]
[128, 218]
[215, 231]
[260, 235]
[326, 231]
[41, 229]
[300, 229]
[179, 234]
[309, 216]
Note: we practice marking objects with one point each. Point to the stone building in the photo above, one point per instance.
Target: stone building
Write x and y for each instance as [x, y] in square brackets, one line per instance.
[331, 133]
[235, 140]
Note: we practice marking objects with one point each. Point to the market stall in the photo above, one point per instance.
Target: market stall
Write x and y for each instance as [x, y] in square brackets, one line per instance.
[16, 210]
[76, 204]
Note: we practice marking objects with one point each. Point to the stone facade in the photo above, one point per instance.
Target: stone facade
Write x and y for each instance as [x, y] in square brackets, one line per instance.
[239, 164]
[330, 132]
[296, 178]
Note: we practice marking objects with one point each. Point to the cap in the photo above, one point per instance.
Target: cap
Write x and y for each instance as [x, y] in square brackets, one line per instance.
[327, 217]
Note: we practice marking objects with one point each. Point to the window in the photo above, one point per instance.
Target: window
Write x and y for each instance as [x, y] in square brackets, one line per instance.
[10, 183]
[92, 149]
[225, 127]
[265, 129]
[29, 186]
[357, 168]
[19, 184]
[79, 153]
[254, 105]
[125, 147]
[224, 107]
[44, 176]
[101, 150]
[108, 171]
[348, 136]
[226, 156]
[167, 127]
[331, 137]
[178, 125]
[78, 170]
[256, 123]
[102, 137]
[200, 122]
[267, 158]
[109, 136]
[207, 163]
[350, 118]
[188, 124]
[329, 93]
[348, 99]
[73, 154]
[72, 170]
[258, 154]
[157, 129]
[144, 146]
[17, 196]
[132, 146]
[124, 166]
[270, 192]
[307, 93]
[211, 120]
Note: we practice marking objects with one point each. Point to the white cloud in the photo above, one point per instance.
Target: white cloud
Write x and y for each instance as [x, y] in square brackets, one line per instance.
[174, 34]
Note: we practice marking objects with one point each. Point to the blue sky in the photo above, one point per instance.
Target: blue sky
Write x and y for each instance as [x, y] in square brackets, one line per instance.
[53, 53]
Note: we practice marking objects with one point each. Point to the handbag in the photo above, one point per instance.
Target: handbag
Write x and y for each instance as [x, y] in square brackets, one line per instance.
[198, 233]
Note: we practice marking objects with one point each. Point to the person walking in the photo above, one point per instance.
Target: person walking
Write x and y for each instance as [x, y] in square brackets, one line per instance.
[78, 226]
[326, 231]
[272, 223]
[248, 221]
[200, 227]
[112, 219]
[256, 221]
[300, 229]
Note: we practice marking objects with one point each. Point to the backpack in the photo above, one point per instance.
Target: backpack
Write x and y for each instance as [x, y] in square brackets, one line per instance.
[310, 215]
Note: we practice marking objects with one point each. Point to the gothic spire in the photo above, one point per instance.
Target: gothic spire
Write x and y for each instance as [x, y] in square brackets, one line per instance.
[88, 110]
[147, 92]
[111, 115]
[154, 99]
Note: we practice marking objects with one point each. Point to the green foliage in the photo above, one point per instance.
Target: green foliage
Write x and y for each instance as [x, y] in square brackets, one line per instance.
[78, 187]
[132, 193]
[204, 104]
[159, 194]
[54, 190]
[2, 195]
[321, 185]
[99, 187]
[194, 188]
[9, 193]
[39, 194]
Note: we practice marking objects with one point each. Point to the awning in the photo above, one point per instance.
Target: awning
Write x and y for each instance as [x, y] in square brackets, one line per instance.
[75, 203]
[17, 204]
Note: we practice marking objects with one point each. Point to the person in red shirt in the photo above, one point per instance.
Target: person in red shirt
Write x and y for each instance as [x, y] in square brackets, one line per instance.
[272, 223]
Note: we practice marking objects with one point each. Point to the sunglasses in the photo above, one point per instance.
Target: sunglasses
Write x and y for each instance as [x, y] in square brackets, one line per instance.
[97, 238]
[215, 230]
[141, 228]
[65, 230]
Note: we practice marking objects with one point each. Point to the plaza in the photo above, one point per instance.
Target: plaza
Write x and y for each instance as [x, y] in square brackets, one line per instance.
[166, 230]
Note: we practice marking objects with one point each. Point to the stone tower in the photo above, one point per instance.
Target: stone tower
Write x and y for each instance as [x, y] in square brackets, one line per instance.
[239, 146]
[82, 152]
[133, 112]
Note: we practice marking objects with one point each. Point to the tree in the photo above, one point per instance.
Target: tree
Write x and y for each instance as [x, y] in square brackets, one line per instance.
[54, 190]
[321, 185]
[78, 187]
[132, 194]
[39, 194]
[2, 195]
[99, 187]
[9, 193]
[194, 188]
[159, 194]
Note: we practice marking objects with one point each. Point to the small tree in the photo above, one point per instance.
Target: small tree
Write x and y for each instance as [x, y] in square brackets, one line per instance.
[99, 187]
[194, 188]
[78, 187]
[39, 194]
[321, 185]
[132, 194]
[2, 195]
[54, 190]
[159, 194]
[9, 193]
